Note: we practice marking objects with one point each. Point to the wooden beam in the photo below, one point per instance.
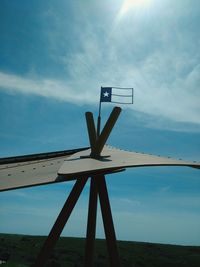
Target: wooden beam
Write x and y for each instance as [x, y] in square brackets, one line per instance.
[60, 223]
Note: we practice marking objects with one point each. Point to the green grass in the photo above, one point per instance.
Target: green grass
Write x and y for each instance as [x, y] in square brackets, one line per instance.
[23, 250]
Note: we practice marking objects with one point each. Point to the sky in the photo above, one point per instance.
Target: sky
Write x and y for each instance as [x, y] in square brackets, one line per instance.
[54, 58]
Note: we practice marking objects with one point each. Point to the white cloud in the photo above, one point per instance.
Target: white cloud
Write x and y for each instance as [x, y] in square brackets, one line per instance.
[125, 203]
[152, 53]
[178, 104]
[46, 88]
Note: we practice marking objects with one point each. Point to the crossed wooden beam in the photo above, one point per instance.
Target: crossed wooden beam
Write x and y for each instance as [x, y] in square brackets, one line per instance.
[98, 189]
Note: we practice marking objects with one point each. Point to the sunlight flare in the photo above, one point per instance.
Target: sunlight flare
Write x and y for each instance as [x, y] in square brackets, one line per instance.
[130, 4]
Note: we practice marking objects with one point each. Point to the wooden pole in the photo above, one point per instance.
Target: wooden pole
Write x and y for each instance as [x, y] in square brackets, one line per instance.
[60, 223]
[91, 225]
[108, 222]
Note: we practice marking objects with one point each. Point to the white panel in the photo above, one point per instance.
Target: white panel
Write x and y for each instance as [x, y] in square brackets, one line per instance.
[30, 173]
[45, 171]
[77, 165]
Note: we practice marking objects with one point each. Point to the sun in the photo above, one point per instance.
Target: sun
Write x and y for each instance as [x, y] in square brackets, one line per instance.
[130, 4]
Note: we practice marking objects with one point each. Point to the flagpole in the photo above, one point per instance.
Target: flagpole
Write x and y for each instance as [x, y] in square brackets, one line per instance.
[99, 118]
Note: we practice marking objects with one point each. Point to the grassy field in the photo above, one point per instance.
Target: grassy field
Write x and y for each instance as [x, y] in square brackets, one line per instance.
[21, 251]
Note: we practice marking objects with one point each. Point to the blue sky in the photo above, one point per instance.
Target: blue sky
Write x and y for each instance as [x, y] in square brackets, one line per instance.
[55, 56]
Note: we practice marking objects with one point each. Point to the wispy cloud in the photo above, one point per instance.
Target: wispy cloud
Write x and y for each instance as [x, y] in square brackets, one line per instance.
[43, 87]
[152, 51]
[177, 103]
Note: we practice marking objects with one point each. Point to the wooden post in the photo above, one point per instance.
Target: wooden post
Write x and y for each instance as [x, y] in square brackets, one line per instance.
[60, 223]
[91, 225]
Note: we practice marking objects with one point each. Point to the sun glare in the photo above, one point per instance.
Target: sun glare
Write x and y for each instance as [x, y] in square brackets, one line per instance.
[130, 4]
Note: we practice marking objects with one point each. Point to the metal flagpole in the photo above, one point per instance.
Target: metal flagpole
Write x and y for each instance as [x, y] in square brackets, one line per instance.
[99, 118]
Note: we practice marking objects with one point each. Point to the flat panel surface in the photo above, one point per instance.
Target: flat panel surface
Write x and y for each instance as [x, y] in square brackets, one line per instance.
[64, 168]
[17, 175]
[75, 165]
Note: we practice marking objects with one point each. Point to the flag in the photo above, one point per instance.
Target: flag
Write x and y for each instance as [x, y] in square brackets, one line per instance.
[117, 95]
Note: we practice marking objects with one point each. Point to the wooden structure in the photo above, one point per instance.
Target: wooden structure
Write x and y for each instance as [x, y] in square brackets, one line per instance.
[81, 165]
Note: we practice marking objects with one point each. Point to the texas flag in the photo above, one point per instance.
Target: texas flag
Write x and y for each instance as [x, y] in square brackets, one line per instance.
[117, 95]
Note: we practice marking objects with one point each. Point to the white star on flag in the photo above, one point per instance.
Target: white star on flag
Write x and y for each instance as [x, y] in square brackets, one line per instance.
[106, 94]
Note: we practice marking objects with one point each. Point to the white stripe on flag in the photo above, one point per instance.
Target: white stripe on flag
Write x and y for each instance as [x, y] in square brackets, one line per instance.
[123, 96]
